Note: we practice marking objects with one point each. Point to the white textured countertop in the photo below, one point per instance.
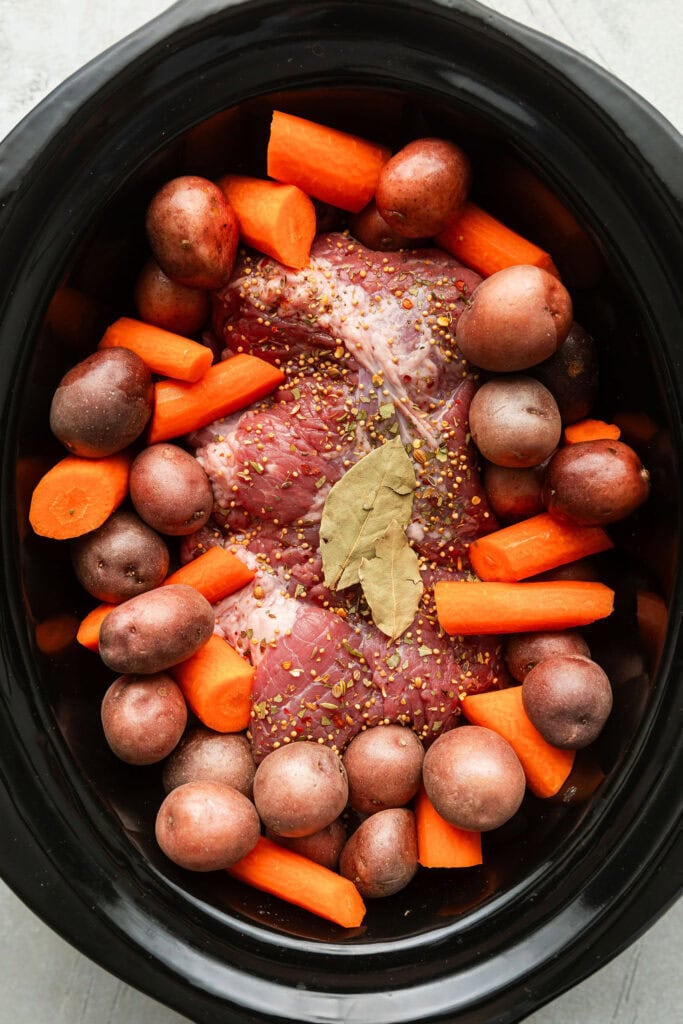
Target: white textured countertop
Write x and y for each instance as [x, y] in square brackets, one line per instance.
[41, 42]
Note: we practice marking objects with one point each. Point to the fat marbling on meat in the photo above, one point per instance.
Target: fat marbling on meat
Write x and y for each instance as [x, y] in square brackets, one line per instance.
[367, 342]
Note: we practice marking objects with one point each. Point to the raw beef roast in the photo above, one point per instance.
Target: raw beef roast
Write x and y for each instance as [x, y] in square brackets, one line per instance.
[367, 344]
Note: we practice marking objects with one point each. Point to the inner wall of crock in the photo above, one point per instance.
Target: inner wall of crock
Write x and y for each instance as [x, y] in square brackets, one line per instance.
[99, 286]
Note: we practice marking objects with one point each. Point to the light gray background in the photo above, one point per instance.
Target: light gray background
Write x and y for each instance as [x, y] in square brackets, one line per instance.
[41, 42]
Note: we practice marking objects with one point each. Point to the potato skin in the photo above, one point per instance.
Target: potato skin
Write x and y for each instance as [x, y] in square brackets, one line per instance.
[595, 483]
[473, 778]
[122, 558]
[170, 490]
[324, 847]
[514, 493]
[380, 858]
[103, 403]
[193, 233]
[515, 422]
[156, 630]
[169, 305]
[300, 788]
[371, 229]
[568, 698]
[518, 317]
[143, 717]
[423, 186]
[572, 374]
[523, 651]
[206, 826]
[206, 756]
[384, 768]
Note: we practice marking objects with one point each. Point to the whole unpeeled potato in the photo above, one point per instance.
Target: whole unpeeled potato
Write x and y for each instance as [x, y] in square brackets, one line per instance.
[193, 233]
[380, 858]
[422, 187]
[156, 630]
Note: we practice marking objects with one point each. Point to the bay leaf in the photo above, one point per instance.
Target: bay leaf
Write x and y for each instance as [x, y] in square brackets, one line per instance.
[360, 507]
[391, 582]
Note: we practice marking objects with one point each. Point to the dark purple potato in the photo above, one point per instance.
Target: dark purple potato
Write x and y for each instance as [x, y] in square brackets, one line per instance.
[518, 317]
[594, 483]
[103, 404]
[300, 788]
[571, 375]
[423, 187]
[206, 756]
[192, 231]
[143, 717]
[169, 305]
[568, 698]
[380, 858]
[124, 557]
[384, 768]
[206, 826]
[370, 228]
[156, 630]
[514, 494]
[323, 847]
[170, 490]
[515, 422]
[523, 651]
[473, 778]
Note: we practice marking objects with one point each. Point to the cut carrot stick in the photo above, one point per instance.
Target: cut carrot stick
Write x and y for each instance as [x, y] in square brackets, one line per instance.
[278, 220]
[532, 546]
[225, 387]
[89, 630]
[591, 430]
[440, 844]
[546, 767]
[301, 881]
[481, 242]
[468, 609]
[165, 353]
[56, 634]
[339, 168]
[215, 574]
[216, 683]
[78, 495]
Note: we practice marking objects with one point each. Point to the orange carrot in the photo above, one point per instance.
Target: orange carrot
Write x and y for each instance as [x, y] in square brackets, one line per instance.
[88, 634]
[532, 546]
[224, 388]
[278, 220]
[301, 881]
[77, 495]
[440, 844]
[165, 353]
[339, 168]
[546, 767]
[590, 430]
[483, 608]
[56, 634]
[216, 683]
[215, 574]
[481, 242]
